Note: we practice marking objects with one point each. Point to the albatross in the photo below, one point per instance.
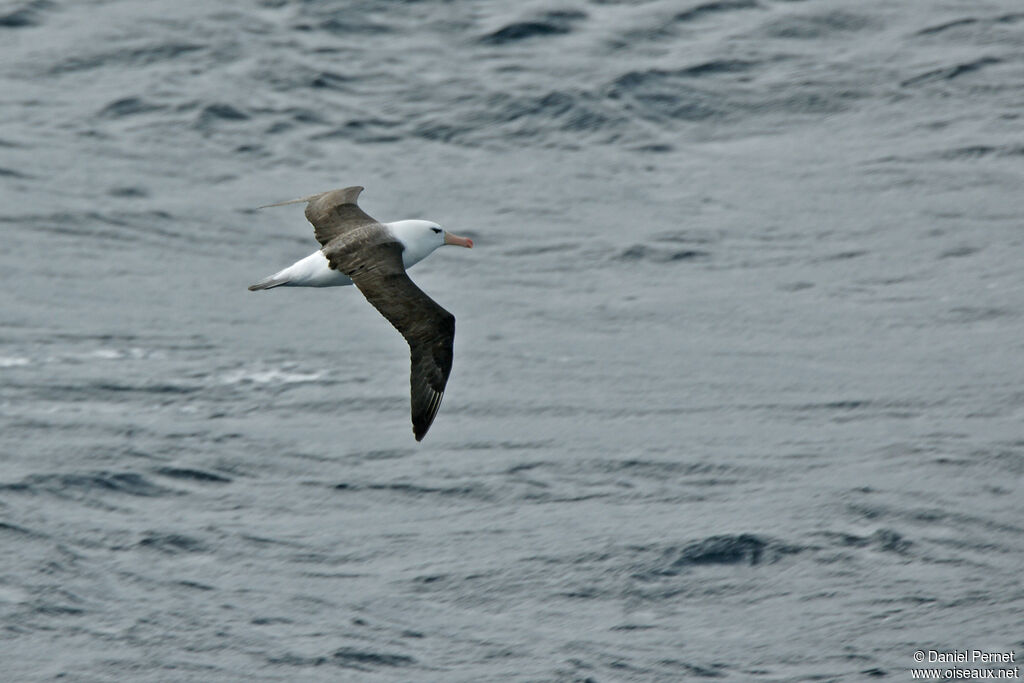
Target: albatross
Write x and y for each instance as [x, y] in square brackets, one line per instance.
[357, 249]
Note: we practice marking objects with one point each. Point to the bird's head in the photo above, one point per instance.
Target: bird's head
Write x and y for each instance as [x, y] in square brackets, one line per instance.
[422, 237]
[441, 237]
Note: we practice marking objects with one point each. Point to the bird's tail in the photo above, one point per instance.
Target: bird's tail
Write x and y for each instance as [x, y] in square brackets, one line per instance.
[271, 281]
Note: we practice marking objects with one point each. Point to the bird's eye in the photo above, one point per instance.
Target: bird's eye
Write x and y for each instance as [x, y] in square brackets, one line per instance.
[437, 230]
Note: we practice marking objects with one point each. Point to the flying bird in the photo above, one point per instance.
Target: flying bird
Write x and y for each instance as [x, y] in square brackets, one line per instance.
[357, 249]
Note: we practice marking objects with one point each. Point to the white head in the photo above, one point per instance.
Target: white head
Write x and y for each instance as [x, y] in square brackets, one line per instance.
[422, 237]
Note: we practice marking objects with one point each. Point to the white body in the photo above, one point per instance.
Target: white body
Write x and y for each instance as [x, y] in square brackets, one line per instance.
[418, 238]
[312, 271]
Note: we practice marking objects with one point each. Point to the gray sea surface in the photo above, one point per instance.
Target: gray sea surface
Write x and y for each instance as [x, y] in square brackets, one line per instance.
[738, 389]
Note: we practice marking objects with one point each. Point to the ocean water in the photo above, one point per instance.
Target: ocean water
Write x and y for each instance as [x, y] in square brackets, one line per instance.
[738, 389]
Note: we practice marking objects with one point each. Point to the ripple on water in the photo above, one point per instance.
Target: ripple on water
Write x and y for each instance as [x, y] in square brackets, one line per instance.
[98, 484]
[553, 23]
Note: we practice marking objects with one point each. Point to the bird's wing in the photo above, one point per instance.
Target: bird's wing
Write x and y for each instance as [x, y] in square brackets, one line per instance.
[333, 213]
[375, 267]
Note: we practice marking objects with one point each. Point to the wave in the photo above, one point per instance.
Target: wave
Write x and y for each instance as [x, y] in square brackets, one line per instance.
[548, 24]
[30, 14]
[101, 483]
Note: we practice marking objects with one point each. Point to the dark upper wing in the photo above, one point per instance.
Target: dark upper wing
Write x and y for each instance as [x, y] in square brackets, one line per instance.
[376, 269]
[333, 213]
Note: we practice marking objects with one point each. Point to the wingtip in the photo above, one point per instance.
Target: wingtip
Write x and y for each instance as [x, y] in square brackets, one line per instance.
[355, 189]
[298, 200]
[422, 426]
[290, 201]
